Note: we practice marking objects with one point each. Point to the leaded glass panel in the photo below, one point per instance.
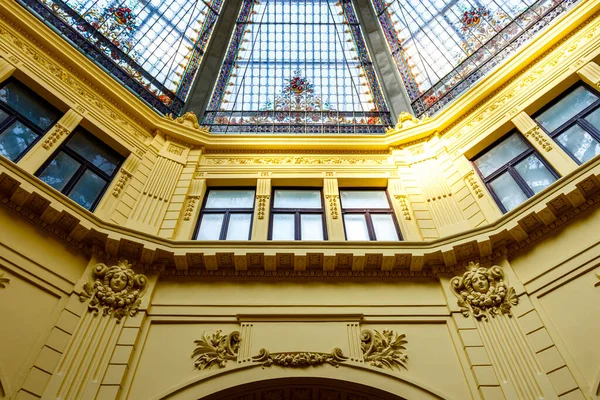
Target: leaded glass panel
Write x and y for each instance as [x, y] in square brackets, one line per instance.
[297, 66]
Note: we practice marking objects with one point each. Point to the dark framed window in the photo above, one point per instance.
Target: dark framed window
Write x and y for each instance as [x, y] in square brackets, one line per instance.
[24, 118]
[513, 171]
[81, 168]
[573, 121]
[297, 214]
[226, 215]
[368, 215]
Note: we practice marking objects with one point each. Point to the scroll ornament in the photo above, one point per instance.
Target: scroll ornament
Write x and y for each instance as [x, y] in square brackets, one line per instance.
[300, 359]
[216, 349]
[116, 290]
[384, 349]
[483, 291]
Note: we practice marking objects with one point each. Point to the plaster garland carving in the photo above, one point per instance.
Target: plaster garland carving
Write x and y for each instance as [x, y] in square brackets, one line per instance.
[262, 204]
[53, 137]
[300, 359]
[384, 349]
[293, 160]
[536, 134]
[3, 281]
[333, 204]
[403, 205]
[483, 291]
[216, 349]
[472, 181]
[117, 290]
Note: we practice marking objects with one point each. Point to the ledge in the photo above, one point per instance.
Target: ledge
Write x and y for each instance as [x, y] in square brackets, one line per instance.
[37, 203]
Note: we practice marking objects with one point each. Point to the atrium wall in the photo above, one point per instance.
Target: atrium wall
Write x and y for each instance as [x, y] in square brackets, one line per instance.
[264, 319]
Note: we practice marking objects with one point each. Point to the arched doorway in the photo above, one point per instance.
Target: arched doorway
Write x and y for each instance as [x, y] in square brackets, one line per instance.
[302, 389]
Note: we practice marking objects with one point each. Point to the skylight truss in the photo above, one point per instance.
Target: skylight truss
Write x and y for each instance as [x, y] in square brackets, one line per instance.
[297, 66]
[442, 47]
[154, 47]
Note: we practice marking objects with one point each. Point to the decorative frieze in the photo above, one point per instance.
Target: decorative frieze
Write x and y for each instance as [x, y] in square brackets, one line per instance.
[216, 349]
[116, 290]
[292, 160]
[483, 292]
[300, 359]
[55, 134]
[385, 349]
[472, 181]
[536, 134]
[261, 204]
[3, 281]
[333, 200]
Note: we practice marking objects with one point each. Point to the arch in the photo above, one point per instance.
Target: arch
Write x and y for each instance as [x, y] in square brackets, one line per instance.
[366, 382]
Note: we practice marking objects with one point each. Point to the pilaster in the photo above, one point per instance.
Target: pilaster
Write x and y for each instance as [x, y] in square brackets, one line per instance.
[189, 217]
[333, 210]
[590, 74]
[262, 210]
[6, 69]
[118, 187]
[477, 192]
[403, 211]
[558, 159]
[47, 144]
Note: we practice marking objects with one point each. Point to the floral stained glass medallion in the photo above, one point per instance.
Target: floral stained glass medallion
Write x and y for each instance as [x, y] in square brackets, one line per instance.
[153, 47]
[297, 66]
[442, 47]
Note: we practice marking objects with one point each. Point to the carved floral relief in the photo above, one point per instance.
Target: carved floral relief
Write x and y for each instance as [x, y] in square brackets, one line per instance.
[116, 290]
[385, 349]
[216, 349]
[300, 359]
[483, 291]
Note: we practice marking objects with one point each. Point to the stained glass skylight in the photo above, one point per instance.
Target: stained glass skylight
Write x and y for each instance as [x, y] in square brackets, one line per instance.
[297, 66]
[154, 47]
[441, 47]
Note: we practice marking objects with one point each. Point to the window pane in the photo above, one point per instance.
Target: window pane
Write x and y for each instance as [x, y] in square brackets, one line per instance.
[297, 199]
[356, 227]
[94, 151]
[384, 227]
[210, 227]
[87, 189]
[364, 199]
[501, 154]
[566, 108]
[230, 199]
[579, 143]
[239, 227]
[311, 227]
[29, 105]
[283, 227]
[15, 140]
[60, 170]
[3, 116]
[535, 173]
[508, 191]
[594, 118]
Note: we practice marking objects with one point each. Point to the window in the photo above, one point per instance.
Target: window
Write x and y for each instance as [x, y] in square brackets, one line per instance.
[573, 121]
[297, 214]
[368, 215]
[81, 168]
[513, 171]
[24, 118]
[226, 215]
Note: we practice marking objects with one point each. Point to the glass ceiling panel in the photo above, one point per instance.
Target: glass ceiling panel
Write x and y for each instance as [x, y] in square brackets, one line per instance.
[442, 47]
[297, 66]
[154, 47]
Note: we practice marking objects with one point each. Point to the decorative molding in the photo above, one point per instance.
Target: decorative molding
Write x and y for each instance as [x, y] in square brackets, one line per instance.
[117, 290]
[55, 134]
[123, 179]
[3, 281]
[189, 119]
[597, 273]
[384, 350]
[300, 359]
[333, 199]
[472, 181]
[174, 149]
[189, 208]
[406, 120]
[293, 160]
[536, 134]
[403, 205]
[216, 349]
[261, 205]
[483, 291]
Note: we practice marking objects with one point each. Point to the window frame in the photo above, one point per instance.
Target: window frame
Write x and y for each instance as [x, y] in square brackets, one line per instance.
[14, 115]
[297, 213]
[368, 211]
[85, 165]
[577, 119]
[510, 167]
[226, 211]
